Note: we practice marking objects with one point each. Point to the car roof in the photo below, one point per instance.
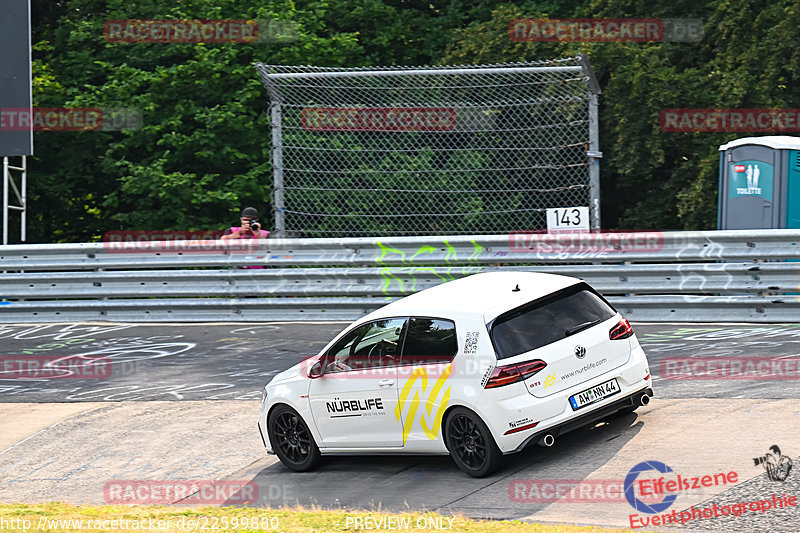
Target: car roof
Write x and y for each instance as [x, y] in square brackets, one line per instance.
[488, 295]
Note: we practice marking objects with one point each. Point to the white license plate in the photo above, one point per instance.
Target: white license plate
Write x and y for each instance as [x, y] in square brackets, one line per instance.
[595, 394]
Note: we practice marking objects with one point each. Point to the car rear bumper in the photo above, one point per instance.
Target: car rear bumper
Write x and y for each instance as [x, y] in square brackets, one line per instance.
[630, 400]
[505, 408]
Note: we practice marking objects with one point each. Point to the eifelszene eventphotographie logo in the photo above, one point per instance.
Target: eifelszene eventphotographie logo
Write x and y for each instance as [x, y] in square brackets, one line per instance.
[651, 487]
[630, 494]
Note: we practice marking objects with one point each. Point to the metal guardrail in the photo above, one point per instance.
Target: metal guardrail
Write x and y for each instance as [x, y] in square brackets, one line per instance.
[653, 276]
[651, 247]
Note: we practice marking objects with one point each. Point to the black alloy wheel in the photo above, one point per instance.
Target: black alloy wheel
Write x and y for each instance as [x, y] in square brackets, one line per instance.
[471, 444]
[291, 439]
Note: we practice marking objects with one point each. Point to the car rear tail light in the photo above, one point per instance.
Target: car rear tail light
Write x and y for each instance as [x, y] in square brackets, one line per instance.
[622, 330]
[529, 368]
[505, 375]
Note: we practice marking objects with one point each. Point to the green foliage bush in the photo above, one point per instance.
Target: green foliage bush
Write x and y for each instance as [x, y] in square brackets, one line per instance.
[204, 148]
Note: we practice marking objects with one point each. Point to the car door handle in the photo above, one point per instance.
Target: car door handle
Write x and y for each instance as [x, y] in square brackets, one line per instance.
[386, 382]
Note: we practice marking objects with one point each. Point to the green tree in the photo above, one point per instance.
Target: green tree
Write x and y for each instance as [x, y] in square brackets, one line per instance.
[203, 150]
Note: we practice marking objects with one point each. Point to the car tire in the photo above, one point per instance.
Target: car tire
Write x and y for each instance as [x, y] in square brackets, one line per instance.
[292, 440]
[470, 443]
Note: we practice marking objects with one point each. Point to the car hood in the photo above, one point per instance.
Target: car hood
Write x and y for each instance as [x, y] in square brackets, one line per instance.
[288, 374]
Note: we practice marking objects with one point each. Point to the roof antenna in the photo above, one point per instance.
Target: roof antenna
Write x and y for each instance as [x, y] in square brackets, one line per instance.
[515, 289]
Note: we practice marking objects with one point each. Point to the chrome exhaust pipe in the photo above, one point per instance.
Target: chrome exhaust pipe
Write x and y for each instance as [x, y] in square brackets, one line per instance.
[547, 440]
[644, 399]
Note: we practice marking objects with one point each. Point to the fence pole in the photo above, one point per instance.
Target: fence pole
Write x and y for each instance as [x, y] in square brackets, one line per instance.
[24, 200]
[594, 155]
[277, 170]
[6, 177]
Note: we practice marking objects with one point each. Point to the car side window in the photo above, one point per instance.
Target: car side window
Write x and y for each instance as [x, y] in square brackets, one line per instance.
[429, 341]
[371, 345]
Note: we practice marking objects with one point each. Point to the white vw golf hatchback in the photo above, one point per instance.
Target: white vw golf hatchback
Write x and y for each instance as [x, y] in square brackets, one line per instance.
[475, 368]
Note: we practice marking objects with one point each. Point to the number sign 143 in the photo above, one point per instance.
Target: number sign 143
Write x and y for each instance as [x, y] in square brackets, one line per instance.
[568, 218]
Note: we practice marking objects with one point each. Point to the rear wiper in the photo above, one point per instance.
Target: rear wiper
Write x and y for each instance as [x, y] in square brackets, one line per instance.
[580, 327]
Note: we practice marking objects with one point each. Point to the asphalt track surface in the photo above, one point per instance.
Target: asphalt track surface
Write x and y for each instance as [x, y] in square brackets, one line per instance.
[181, 402]
[234, 361]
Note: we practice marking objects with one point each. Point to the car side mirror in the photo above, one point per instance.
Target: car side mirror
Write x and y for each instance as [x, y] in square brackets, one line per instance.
[316, 370]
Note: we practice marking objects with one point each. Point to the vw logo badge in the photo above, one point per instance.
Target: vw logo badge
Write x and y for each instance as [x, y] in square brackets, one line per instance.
[580, 352]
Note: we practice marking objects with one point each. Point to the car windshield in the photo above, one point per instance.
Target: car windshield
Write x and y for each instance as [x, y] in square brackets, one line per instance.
[548, 319]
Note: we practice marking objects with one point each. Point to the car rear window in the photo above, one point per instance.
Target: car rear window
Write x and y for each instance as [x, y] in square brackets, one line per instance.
[548, 319]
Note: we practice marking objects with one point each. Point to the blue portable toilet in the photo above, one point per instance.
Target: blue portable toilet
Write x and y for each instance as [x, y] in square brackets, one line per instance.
[759, 183]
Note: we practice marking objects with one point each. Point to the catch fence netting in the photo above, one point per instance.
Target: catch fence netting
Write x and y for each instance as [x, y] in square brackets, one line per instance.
[429, 150]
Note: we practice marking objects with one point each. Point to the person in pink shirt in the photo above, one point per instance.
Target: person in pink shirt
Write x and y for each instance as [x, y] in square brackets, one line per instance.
[250, 228]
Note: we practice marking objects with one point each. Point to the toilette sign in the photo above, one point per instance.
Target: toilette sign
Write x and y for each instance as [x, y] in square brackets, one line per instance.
[751, 178]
